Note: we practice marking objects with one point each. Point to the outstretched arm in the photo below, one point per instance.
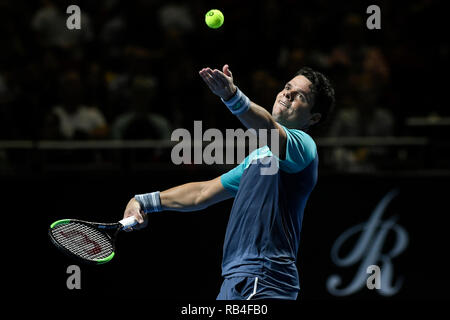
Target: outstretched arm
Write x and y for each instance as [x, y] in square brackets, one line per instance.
[192, 196]
[256, 117]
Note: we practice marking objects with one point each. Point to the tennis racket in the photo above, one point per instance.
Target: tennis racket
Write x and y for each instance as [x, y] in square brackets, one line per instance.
[88, 242]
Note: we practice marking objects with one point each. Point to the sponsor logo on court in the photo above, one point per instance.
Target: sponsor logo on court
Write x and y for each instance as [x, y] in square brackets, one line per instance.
[368, 252]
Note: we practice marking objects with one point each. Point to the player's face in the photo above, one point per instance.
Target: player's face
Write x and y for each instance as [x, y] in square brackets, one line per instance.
[293, 104]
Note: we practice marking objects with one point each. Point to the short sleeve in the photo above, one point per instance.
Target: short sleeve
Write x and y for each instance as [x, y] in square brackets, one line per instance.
[231, 179]
[301, 150]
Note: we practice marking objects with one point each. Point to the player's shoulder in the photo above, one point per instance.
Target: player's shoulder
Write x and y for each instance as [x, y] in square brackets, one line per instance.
[301, 150]
[300, 138]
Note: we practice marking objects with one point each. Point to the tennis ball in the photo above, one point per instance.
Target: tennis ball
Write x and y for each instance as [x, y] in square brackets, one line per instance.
[214, 18]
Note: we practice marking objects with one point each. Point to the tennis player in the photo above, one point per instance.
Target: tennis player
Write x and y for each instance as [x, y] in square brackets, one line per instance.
[263, 232]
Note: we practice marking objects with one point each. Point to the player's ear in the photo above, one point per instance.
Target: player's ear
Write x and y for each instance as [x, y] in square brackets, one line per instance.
[314, 119]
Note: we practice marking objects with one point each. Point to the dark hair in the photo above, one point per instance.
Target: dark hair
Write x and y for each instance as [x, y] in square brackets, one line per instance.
[322, 90]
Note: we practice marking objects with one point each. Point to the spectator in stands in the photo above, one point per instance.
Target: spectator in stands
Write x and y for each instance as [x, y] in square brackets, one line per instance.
[49, 22]
[139, 122]
[72, 119]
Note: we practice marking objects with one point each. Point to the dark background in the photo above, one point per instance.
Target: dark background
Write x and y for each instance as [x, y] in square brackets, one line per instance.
[176, 260]
[138, 74]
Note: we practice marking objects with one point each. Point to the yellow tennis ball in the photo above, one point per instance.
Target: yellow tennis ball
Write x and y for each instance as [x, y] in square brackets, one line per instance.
[214, 18]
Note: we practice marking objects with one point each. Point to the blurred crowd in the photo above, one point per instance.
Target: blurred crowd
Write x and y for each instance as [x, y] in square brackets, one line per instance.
[131, 71]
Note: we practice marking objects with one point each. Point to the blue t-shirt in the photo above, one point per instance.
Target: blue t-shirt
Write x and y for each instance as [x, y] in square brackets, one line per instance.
[263, 232]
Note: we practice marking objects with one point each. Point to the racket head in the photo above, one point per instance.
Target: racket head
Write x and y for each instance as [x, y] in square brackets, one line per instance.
[84, 241]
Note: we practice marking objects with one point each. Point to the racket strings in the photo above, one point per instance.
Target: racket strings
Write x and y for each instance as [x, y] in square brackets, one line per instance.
[83, 241]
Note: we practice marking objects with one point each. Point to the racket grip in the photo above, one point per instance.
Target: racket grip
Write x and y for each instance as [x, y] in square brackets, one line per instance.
[128, 222]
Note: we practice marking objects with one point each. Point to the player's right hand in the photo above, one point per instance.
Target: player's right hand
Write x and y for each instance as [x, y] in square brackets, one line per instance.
[133, 209]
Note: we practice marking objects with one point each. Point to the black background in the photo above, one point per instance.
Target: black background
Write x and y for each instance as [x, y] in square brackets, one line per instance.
[176, 260]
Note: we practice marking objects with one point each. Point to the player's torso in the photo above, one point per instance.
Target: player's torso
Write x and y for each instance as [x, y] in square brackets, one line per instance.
[265, 220]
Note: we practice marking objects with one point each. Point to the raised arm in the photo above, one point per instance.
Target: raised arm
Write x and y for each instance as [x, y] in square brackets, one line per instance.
[255, 117]
[192, 196]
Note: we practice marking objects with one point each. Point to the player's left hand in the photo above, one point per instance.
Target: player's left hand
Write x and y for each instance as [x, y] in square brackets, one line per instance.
[220, 83]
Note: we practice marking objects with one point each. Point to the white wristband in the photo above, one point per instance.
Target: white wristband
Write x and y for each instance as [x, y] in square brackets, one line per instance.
[150, 202]
[238, 104]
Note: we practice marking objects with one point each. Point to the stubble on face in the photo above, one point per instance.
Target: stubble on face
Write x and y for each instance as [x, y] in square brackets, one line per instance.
[292, 104]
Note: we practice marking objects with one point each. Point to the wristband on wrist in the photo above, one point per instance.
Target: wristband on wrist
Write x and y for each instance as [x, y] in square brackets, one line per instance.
[238, 104]
[150, 202]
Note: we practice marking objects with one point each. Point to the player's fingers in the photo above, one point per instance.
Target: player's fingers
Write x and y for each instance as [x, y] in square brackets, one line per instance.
[203, 75]
[221, 78]
[227, 71]
[202, 72]
[139, 218]
[205, 71]
[212, 83]
[144, 222]
[208, 81]
[213, 78]
[206, 75]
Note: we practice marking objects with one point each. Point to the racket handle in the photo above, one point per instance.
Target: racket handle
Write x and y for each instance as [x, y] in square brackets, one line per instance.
[128, 222]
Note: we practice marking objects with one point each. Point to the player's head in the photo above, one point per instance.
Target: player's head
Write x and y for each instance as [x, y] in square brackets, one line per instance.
[305, 101]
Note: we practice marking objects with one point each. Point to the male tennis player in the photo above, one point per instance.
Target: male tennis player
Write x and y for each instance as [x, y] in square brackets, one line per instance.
[263, 232]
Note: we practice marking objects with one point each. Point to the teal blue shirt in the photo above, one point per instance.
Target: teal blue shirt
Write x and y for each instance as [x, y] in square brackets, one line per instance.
[263, 231]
